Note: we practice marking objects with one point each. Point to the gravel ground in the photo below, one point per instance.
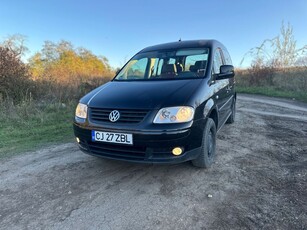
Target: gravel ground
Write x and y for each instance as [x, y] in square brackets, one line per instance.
[259, 181]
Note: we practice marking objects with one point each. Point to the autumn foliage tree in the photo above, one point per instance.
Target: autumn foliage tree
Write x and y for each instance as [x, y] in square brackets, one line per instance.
[14, 77]
[62, 63]
[59, 72]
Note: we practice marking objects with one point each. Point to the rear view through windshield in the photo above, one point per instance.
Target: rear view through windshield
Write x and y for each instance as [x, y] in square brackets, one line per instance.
[174, 64]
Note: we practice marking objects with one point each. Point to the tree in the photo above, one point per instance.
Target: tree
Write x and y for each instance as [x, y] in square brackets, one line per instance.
[279, 52]
[16, 44]
[64, 63]
[14, 76]
[37, 66]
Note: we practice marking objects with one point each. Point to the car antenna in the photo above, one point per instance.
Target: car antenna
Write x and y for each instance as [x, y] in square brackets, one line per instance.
[179, 40]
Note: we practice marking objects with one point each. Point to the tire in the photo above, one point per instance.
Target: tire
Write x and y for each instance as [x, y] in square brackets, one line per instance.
[207, 155]
[232, 117]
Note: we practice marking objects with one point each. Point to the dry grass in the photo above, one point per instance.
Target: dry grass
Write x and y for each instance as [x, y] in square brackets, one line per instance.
[289, 83]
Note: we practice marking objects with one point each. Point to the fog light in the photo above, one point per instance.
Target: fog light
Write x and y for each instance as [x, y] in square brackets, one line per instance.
[78, 140]
[177, 151]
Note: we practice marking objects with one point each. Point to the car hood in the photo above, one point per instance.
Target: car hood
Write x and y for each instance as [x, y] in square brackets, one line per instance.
[142, 94]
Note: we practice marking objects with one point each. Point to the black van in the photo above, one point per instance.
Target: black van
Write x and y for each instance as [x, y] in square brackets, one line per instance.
[164, 106]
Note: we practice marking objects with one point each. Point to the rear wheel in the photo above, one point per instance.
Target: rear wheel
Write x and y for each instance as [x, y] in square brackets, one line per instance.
[231, 118]
[207, 155]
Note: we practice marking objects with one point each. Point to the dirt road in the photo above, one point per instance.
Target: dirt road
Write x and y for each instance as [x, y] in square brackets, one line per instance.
[259, 181]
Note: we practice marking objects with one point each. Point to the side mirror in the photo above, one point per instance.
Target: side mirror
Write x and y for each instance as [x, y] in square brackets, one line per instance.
[226, 71]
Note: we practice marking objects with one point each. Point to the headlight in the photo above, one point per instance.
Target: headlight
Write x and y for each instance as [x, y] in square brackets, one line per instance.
[178, 114]
[81, 111]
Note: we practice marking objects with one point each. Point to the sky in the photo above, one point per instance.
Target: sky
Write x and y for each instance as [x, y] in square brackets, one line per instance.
[119, 29]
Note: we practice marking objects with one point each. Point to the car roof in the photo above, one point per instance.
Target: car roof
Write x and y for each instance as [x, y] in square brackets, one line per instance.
[184, 44]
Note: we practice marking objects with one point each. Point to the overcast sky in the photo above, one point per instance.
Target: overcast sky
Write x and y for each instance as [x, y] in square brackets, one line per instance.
[119, 29]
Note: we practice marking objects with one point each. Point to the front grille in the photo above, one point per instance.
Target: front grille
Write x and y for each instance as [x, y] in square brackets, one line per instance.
[126, 115]
[125, 152]
[120, 151]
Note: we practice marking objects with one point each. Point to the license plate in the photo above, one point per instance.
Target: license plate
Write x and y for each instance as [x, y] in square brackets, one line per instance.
[120, 138]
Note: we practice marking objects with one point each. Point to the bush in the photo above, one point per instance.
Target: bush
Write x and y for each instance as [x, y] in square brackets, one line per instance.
[47, 91]
[292, 79]
[15, 84]
[260, 75]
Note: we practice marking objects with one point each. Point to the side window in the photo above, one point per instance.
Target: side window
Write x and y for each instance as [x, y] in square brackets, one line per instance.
[227, 57]
[217, 61]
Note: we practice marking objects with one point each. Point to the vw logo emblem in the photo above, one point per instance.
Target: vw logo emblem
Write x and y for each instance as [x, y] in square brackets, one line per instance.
[114, 116]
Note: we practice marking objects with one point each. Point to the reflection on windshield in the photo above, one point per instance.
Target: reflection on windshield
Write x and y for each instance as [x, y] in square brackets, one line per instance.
[174, 64]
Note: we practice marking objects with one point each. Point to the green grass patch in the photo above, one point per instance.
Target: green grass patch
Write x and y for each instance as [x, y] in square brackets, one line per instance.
[273, 92]
[28, 127]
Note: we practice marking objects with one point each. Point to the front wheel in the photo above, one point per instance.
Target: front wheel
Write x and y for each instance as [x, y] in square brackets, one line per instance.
[206, 157]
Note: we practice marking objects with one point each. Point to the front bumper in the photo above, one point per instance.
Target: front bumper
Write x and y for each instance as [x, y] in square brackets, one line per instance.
[148, 146]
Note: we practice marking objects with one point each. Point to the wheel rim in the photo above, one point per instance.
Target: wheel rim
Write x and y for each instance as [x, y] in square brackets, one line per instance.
[210, 145]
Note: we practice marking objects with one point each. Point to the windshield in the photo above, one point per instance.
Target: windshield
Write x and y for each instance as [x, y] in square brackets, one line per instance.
[171, 64]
